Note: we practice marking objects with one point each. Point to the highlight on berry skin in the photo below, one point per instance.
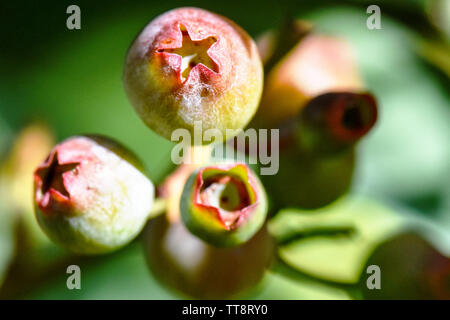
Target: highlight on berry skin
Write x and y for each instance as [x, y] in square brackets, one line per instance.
[190, 65]
[224, 204]
[91, 196]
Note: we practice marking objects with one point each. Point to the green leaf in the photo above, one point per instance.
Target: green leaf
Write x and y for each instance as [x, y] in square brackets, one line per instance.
[278, 286]
[334, 242]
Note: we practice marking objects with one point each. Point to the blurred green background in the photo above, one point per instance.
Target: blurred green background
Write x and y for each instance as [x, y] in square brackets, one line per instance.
[71, 80]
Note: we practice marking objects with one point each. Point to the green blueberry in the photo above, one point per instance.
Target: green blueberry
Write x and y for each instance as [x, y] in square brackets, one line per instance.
[195, 269]
[224, 204]
[317, 158]
[189, 65]
[91, 196]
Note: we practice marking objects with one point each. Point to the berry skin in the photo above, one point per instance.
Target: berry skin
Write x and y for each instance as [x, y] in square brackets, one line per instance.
[191, 65]
[316, 65]
[224, 204]
[195, 269]
[91, 196]
[412, 268]
[310, 182]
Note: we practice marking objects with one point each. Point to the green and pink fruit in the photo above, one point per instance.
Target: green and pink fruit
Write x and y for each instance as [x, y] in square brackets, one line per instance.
[224, 204]
[191, 65]
[335, 121]
[316, 65]
[411, 269]
[317, 156]
[91, 196]
[196, 269]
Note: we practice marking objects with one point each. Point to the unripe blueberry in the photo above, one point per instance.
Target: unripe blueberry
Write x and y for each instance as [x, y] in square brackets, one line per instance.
[335, 121]
[316, 65]
[192, 267]
[91, 196]
[411, 268]
[317, 157]
[309, 182]
[190, 65]
[224, 204]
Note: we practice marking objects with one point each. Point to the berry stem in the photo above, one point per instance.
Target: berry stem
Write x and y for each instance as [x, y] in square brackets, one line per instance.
[159, 207]
[290, 33]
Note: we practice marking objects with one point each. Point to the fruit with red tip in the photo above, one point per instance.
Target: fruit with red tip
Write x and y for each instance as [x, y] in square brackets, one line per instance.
[190, 65]
[224, 204]
[91, 196]
[335, 121]
[317, 156]
[193, 267]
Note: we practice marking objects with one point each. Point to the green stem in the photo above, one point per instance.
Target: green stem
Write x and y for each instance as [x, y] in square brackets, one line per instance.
[286, 38]
[159, 207]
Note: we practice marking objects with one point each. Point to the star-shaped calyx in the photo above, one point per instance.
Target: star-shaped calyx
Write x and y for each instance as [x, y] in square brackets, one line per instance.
[51, 175]
[193, 52]
[228, 195]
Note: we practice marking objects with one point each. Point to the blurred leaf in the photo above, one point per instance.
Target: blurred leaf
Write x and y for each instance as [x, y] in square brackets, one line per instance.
[281, 287]
[334, 256]
[444, 210]
[5, 135]
[438, 12]
[6, 236]
[437, 53]
[334, 242]
[29, 148]
[124, 275]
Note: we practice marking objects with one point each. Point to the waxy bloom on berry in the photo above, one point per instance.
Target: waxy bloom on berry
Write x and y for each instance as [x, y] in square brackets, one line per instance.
[192, 65]
[91, 196]
[224, 204]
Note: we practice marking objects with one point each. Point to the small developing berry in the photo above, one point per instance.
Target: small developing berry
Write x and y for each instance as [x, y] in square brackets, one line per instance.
[191, 65]
[224, 204]
[334, 121]
[196, 269]
[412, 268]
[317, 157]
[316, 65]
[91, 196]
[192, 267]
